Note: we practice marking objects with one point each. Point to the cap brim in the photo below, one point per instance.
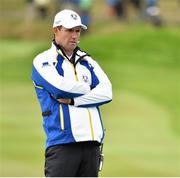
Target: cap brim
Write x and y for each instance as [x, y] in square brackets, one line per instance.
[84, 27]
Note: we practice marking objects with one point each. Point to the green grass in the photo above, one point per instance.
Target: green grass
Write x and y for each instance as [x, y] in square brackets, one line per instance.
[142, 122]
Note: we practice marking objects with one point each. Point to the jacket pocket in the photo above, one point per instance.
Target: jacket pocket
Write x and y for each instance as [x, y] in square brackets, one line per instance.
[61, 113]
[90, 123]
[46, 113]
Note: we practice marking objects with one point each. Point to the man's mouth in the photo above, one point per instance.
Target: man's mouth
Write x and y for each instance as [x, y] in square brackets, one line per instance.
[73, 42]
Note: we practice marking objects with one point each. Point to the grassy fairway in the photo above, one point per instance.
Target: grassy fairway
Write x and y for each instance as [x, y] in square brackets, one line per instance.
[142, 122]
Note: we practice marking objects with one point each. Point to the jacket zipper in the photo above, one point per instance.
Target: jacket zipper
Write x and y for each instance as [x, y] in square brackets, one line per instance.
[76, 77]
[61, 111]
[61, 118]
[60, 105]
[89, 113]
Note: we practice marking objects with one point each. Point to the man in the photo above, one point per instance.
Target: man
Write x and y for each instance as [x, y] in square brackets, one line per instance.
[70, 87]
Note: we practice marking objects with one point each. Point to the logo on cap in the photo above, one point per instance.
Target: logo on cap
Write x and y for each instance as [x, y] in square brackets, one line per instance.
[74, 16]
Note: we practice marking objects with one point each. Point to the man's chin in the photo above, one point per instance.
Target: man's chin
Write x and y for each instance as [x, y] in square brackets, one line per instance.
[73, 46]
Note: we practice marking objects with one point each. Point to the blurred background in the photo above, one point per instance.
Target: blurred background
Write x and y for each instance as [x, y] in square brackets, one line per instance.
[137, 43]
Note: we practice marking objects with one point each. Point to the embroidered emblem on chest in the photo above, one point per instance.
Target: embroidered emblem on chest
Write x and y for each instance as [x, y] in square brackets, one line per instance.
[85, 78]
[45, 64]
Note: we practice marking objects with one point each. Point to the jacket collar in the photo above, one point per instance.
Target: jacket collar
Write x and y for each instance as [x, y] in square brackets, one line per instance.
[60, 51]
[76, 56]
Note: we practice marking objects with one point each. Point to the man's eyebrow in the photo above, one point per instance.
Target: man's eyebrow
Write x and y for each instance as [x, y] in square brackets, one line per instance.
[72, 29]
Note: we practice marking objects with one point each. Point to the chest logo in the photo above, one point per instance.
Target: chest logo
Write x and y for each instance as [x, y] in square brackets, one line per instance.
[85, 78]
[45, 64]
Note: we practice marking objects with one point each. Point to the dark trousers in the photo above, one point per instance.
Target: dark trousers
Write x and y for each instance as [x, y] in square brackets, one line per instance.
[73, 160]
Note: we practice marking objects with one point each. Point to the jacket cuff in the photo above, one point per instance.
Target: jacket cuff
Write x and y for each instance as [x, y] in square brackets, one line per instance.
[72, 101]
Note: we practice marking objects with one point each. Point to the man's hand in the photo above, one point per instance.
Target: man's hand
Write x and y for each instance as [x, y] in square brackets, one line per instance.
[64, 101]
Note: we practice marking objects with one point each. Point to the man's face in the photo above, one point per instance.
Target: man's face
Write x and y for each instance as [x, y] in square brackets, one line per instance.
[67, 38]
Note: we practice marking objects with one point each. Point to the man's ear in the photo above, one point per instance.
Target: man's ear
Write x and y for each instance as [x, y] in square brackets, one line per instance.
[55, 30]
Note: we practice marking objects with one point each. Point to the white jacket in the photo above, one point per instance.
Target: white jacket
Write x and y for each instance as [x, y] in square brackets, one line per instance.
[84, 81]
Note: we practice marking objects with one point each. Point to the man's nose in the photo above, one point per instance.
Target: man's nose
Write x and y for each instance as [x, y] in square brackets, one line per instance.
[75, 34]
